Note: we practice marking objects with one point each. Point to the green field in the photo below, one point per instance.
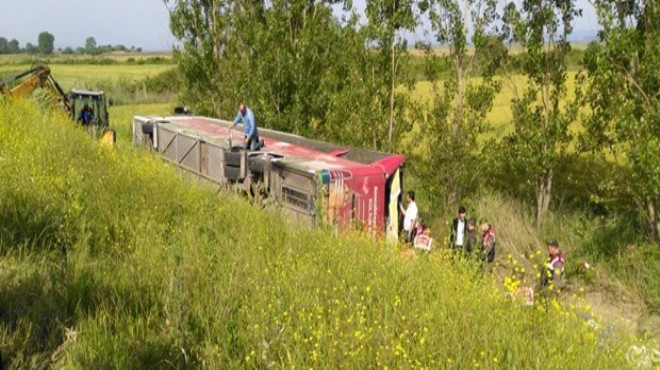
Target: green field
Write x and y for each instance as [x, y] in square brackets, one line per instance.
[500, 116]
[60, 58]
[87, 76]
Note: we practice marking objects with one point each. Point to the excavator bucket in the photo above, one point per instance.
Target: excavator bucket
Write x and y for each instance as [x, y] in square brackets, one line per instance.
[109, 137]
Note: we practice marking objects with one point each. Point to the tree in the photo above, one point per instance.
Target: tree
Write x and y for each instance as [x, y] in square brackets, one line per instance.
[386, 20]
[459, 109]
[624, 97]
[299, 68]
[4, 46]
[203, 29]
[90, 45]
[31, 49]
[543, 113]
[45, 43]
[13, 47]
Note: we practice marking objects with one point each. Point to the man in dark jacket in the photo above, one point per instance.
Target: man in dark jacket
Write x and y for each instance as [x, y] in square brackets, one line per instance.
[86, 115]
[459, 230]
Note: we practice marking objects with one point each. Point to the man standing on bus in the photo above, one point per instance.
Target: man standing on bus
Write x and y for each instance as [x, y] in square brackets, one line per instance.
[246, 116]
[410, 217]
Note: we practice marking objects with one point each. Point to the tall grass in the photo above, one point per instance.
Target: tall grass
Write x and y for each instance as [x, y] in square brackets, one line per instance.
[111, 259]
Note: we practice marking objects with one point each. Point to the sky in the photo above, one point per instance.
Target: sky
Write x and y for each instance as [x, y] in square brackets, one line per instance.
[139, 23]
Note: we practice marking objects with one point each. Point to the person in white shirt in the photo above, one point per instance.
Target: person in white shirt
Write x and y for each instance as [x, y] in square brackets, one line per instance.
[410, 217]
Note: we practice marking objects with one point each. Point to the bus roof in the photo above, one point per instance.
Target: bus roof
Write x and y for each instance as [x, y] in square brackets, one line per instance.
[306, 154]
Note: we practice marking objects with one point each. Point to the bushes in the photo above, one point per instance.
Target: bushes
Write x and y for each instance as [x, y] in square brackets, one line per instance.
[156, 270]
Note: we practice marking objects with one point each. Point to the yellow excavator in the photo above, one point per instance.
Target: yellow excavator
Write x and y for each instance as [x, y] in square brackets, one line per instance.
[86, 107]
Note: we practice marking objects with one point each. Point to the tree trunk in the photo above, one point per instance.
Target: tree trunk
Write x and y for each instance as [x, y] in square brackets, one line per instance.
[391, 128]
[654, 218]
[543, 193]
[457, 157]
[456, 127]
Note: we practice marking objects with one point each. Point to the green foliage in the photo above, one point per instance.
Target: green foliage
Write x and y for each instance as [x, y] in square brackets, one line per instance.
[31, 48]
[45, 43]
[386, 19]
[542, 114]
[9, 47]
[624, 99]
[90, 45]
[299, 68]
[457, 115]
[111, 259]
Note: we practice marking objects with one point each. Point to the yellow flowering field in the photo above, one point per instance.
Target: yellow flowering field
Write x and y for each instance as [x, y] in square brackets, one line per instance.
[111, 259]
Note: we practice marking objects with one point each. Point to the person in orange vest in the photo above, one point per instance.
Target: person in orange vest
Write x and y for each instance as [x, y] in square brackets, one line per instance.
[555, 267]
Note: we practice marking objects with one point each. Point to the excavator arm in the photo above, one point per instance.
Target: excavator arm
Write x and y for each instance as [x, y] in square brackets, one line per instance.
[38, 77]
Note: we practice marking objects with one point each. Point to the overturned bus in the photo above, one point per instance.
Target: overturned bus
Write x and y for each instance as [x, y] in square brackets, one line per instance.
[312, 181]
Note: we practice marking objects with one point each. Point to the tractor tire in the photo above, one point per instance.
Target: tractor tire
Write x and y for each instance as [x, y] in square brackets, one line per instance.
[232, 173]
[233, 158]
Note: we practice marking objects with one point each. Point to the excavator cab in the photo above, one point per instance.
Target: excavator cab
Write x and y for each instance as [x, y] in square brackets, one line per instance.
[94, 100]
[89, 108]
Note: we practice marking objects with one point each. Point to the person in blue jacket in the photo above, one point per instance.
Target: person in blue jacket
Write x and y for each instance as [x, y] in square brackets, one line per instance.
[86, 115]
[246, 116]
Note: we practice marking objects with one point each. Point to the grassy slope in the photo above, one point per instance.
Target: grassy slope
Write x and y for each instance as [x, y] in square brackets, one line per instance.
[111, 259]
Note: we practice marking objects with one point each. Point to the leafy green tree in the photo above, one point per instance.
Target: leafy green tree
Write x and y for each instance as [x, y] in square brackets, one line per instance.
[624, 97]
[45, 43]
[30, 48]
[458, 114]
[13, 47]
[204, 29]
[4, 46]
[90, 45]
[301, 69]
[285, 61]
[542, 114]
[387, 19]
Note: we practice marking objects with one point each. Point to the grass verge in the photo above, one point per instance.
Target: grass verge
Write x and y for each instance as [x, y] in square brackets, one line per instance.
[110, 259]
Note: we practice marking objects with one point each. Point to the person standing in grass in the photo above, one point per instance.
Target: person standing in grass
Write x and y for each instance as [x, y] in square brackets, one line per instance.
[246, 116]
[472, 237]
[487, 241]
[555, 267]
[459, 230]
[410, 217]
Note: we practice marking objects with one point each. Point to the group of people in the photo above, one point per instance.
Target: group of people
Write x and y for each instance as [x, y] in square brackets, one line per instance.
[464, 236]
[468, 237]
